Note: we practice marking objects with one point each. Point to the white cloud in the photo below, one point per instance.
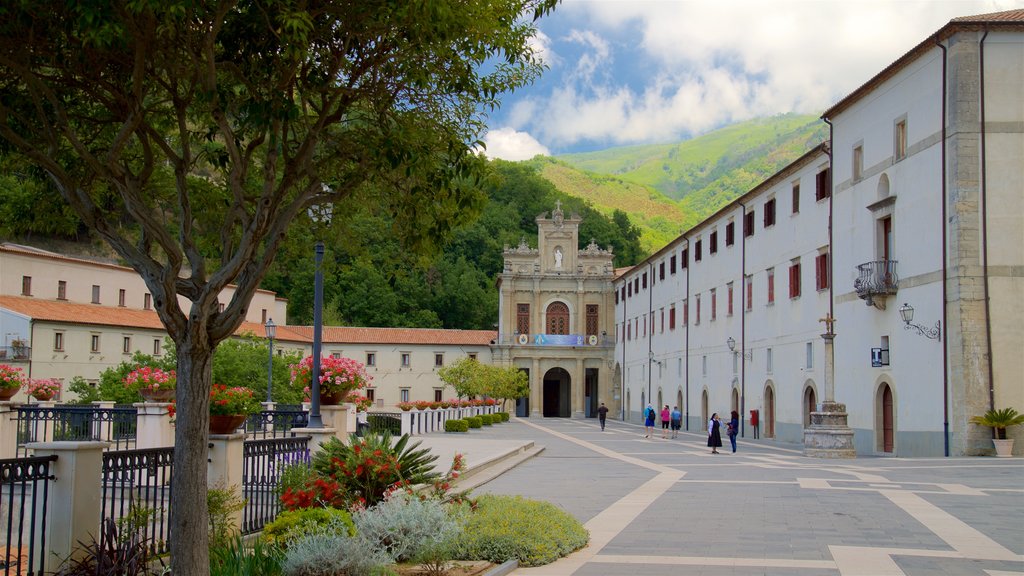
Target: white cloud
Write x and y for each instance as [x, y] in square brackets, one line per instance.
[508, 144]
[712, 62]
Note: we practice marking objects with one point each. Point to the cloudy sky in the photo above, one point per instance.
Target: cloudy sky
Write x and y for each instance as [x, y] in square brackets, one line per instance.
[644, 71]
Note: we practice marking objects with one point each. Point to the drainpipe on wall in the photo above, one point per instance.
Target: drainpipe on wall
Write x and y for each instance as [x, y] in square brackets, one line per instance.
[622, 371]
[945, 265]
[743, 322]
[686, 350]
[650, 332]
[984, 229]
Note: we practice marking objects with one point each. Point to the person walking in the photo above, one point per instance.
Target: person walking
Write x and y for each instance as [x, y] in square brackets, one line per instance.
[714, 434]
[677, 421]
[734, 429]
[602, 415]
[665, 415]
[649, 415]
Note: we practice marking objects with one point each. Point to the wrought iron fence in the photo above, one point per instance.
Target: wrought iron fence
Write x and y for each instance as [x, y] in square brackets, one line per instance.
[76, 423]
[24, 499]
[263, 463]
[136, 493]
[276, 423]
[384, 421]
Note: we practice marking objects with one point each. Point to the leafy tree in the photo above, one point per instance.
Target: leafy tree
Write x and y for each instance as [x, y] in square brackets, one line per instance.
[213, 127]
[504, 382]
[464, 376]
[243, 362]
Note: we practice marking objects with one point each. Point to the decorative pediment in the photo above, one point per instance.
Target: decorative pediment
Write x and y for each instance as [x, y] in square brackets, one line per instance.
[593, 249]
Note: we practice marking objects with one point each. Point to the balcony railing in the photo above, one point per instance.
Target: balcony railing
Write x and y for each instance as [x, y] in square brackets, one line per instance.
[874, 279]
[15, 352]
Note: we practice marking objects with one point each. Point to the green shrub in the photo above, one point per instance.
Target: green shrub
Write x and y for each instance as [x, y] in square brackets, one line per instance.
[327, 552]
[222, 504]
[234, 559]
[504, 416]
[507, 527]
[405, 527]
[293, 524]
[475, 422]
[367, 467]
[295, 476]
[486, 419]
[456, 426]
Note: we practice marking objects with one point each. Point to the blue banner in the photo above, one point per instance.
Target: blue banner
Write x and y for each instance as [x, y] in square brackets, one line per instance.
[560, 340]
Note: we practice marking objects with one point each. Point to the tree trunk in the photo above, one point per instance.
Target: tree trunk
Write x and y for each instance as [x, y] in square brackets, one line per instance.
[189, 523]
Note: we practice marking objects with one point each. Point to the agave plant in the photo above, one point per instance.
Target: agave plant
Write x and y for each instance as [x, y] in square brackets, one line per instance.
[999, 420]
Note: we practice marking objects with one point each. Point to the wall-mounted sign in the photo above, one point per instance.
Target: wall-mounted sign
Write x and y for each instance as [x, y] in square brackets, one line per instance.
[879, 357]
[558, 340]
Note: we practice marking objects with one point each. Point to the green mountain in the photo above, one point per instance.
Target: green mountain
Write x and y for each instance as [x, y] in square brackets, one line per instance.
[666, 188]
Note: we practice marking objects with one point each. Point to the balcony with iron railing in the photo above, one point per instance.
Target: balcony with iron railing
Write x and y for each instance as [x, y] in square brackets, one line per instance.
[15, 352]
[876, 280]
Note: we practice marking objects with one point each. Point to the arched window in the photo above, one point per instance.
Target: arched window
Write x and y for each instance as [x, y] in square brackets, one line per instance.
[558, 318]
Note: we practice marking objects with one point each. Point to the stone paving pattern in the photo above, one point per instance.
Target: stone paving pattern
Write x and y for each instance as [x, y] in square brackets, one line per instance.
[659, 507]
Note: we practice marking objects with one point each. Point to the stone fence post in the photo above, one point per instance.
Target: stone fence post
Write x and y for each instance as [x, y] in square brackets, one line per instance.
[224, 469]
[153, 425]
[8, 429]
[74, 500]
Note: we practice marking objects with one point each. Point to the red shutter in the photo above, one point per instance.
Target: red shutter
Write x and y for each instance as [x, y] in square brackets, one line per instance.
[672, 318]
[750, 293]
[771, 288]
[729, 312]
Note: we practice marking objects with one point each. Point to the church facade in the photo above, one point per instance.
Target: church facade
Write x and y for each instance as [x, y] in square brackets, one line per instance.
[556, 321]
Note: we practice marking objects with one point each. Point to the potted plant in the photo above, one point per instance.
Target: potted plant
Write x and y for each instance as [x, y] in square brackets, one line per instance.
[43, 389]
[153, 384]
[338, 377]
[229, 407]
[362, 403]
[1000, 420]
[11, 380]
[405, 406]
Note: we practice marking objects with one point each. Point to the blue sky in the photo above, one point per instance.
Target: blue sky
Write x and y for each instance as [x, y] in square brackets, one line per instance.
[627, 72]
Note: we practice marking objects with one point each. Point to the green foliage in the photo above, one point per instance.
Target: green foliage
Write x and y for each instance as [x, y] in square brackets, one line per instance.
[999, 420]
[456, 426]
[235, 559]
[117, 553]
[111, 385]
[474, 421]
[222, 504]
[243, 362]
[367, 467]
[328, 552]
[292, 524]
[503, 415]
[404, 526]
[486, 419]
[507, 527]
[464, 376]
[294, 476]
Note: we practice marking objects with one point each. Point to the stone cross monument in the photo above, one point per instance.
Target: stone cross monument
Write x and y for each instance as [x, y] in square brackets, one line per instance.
[829, 436]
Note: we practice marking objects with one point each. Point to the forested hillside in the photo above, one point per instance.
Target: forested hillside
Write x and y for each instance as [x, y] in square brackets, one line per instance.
[702, 174]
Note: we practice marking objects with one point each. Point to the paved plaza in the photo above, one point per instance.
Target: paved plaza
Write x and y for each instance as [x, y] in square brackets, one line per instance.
[659, 507]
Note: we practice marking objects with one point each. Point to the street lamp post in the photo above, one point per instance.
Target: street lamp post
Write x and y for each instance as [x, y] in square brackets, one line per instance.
[271, 331]
[318, 303]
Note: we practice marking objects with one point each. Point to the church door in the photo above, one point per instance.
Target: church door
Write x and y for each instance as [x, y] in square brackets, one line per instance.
[558, 318]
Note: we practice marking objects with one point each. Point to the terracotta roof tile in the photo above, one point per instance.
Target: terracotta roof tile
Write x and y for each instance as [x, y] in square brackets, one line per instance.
[1006, 16]
[94, 314]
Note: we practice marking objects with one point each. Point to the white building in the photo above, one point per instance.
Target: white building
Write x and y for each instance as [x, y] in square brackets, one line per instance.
[927, 206]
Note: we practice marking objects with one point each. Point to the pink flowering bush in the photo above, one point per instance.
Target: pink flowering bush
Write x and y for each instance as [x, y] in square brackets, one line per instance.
[337, 375]
[147, 378]
[226, 401]
[43, 387]
[11, 377]
[362, 402]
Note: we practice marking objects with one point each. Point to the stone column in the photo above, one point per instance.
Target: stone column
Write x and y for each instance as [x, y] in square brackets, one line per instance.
[319, 436]
[536, 385]
[577, 389]
[74, 501]
[829, 436]
[153, 425]
[341, 417]
[224, 468]
[8, 429]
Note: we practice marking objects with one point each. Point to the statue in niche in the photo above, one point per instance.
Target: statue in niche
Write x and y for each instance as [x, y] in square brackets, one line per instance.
[558, 257]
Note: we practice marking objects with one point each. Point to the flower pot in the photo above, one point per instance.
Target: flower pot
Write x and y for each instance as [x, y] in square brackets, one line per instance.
[225, 423]
[8, 393]
[157, 395]
[1004, 448]
[43, 396]
[331, 398]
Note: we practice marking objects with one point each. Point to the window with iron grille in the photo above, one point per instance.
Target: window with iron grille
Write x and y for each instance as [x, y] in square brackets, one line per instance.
[592, 319]
[558, 318]
[523, 318]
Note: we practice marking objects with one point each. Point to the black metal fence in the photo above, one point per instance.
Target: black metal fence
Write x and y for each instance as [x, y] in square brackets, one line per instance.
[384, 421]
[76, 423]
[263, 463]
[276, 423]
[24, 500]
[136, 491]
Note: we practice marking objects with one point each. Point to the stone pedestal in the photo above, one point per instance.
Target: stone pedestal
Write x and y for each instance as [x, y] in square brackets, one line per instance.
[153, 428]
[829, 436]
[318, 436]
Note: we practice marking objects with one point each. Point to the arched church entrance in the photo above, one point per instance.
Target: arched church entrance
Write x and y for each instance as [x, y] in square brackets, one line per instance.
[885, 421]
[557, 386]
[769, 411]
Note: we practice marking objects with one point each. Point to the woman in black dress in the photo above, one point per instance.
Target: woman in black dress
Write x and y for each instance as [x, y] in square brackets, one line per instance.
[714, 434]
